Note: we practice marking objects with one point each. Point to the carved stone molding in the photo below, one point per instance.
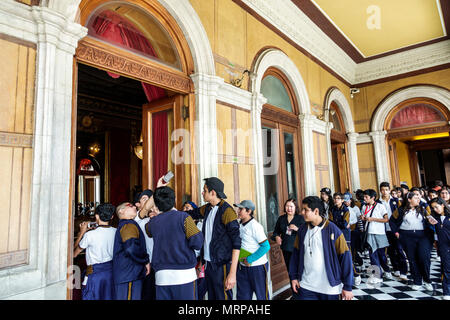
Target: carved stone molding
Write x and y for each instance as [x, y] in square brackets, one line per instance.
[418, 131]
[105, 59]
[16, 140]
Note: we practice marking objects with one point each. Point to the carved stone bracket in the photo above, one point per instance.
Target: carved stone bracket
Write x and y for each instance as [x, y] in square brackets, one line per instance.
[103, 58]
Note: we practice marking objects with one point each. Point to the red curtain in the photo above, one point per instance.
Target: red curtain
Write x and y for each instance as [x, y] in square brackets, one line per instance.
[116, 29]
[120, 166]
[160, 145]
[415, 115]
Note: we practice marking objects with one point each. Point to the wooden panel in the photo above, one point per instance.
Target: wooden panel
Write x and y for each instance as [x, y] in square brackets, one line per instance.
[17, 62]
[225, 172]
[224, 125]
[246, 175]
[367, 169]
[244, 133]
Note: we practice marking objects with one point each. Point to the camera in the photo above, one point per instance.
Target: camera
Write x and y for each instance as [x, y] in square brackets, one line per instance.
[92, 225]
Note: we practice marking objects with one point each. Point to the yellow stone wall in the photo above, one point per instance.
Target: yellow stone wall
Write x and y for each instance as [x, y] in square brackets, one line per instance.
[17, 80]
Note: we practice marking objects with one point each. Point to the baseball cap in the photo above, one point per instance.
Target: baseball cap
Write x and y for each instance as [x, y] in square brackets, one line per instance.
[215, 184]
[347, 196]
[248, 204]
[326, 190]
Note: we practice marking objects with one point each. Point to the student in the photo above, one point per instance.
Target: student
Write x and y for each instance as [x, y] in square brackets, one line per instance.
[423, 202]
[252, 274]
[175, 237]
[404, 190]
[356, 227]
[321, 263]
[325, 196]
[375, 216]
[148, 286]
[395, 251]
[340, 215]
[432, 194]
[410, 225]
[286, 228]
[189, 205]
[442, 215]
[220, 252]
[130, 259]
[99, 245]
[444, 194]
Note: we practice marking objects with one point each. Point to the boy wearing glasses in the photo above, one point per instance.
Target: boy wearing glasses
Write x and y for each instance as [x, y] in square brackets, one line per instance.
[130, 258]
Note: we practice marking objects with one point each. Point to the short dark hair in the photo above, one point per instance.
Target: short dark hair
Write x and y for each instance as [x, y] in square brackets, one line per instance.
[385, 184]
[297, 210]
[338, 194]
[164, 198]
[371, 193]
[313, 203]
[404, 186]
[105, 211]
[414, 189]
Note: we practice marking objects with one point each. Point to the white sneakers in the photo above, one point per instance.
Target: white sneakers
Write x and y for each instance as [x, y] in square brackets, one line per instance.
[397, 273]
[357, 280]
[446, 298]
[374, 280]
[416, 287]
[388, 275]
[428, 286]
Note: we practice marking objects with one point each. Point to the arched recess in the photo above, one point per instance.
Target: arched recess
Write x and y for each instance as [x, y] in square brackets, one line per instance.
[276, 65]
[335, 98]
[382, 134]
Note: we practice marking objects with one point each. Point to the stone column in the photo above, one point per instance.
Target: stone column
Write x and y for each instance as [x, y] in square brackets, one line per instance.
[353, 160]
[206, 90]
[307, 125]
[381, 156]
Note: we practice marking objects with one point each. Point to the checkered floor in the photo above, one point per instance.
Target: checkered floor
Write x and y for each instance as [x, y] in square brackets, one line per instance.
[397, 289]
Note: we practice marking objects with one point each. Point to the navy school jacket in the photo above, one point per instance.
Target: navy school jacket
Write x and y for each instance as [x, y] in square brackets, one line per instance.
[225, 235]
[130, 254]
[338, 259]
[175, 237]
[443, 232]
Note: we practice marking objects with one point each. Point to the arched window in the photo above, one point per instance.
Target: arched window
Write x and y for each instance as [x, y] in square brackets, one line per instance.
[129, 27]
[415, 115]
[274, 90]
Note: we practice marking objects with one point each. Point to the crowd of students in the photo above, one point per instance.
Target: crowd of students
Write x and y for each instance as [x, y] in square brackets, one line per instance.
[160, 253]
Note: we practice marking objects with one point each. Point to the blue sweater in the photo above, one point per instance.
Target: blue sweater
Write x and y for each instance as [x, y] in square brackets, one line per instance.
[225, 235]
[443, 233]
[130, 254]
[175, 237]
[338, 259]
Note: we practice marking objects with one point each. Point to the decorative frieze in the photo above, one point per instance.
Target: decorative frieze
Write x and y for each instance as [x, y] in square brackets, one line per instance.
[9, 139]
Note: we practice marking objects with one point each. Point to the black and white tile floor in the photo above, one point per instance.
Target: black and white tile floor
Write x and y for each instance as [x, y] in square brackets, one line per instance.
[397, 289]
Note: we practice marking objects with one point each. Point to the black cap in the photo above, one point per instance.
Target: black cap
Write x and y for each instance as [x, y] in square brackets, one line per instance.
[404, 186]
[146, 192]
[215, 184]
[326, 190]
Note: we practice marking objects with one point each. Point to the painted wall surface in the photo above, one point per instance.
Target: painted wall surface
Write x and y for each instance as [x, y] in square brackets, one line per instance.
[235, 167]
[17, 80]
[367, 169]
[366, 102]
[237, 38]
[404, 169]
[321, 162]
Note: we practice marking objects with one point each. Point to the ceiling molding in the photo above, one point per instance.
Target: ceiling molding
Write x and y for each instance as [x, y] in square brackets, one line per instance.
[295, 25]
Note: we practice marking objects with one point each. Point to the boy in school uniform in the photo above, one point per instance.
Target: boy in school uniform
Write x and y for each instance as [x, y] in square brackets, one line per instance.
[321, 263]
[395, 251]
[175, 237]
[99, 245]
[220, 252]
[252, 271]
[130, 260]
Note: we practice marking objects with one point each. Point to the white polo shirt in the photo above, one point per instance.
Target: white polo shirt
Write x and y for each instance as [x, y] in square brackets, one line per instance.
[378, 212]
[99, 244]
[252, 234]
[148, 240]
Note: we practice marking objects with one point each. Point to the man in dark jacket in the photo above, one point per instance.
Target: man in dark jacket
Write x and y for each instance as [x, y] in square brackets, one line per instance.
[222, 243]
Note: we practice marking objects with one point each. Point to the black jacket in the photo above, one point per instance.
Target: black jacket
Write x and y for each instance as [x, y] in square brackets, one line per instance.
[287, 241]
[225, 234]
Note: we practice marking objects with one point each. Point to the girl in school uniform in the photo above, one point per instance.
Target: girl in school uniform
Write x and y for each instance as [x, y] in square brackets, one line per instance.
[410, 224]
[252, 275]
[442, 227]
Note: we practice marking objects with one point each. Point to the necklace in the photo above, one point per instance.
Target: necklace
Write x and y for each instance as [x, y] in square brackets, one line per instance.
[310, 239]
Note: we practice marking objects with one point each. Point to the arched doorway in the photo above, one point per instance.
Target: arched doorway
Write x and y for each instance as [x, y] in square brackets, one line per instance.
[339, 151]
[133, 100]
[418, 142]
[283, 162]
